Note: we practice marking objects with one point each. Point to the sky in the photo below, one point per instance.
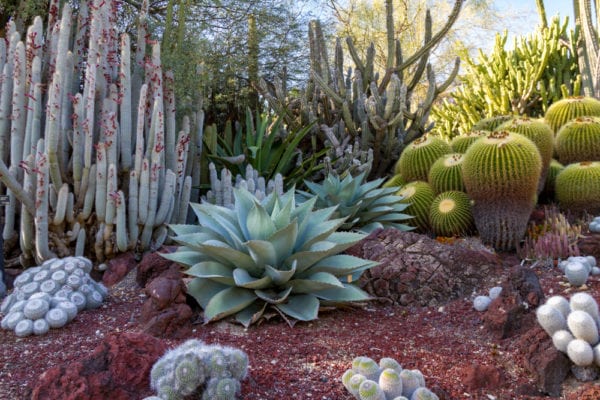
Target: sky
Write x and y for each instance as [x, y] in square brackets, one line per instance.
[528, 11]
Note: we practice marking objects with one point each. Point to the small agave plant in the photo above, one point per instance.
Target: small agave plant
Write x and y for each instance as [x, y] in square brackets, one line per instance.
[365, 206]
[267, 254]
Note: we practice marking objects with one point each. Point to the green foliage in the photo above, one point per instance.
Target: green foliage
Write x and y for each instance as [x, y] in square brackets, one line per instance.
[269, 254]
[265, 144]
[501, 174]
[578, 187]
[539, 70]
[579, 140]
[364, 205]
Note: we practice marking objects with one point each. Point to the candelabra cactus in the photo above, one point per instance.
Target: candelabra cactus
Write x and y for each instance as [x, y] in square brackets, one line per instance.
[385, 381]
[195, 368]
[573, 326]
[89, 181]
[50, 296]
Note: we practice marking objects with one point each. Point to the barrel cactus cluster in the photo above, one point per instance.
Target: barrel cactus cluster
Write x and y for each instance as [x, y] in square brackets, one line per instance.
[386, 380]
[195, 368]
[50, 296]
[573, 325]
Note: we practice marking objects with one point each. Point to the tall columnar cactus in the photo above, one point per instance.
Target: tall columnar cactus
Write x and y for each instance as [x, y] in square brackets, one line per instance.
[378, 113]
[501, 174]
[579, 140]
[540, 134]
[85, 164]
[578, 187]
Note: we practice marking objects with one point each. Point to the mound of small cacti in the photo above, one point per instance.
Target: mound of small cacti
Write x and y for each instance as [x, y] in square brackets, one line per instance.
[573, 326]
[595, 225]
[50, 296]
[195, 368]
[578, 269]
[367, 380]
[482, 302]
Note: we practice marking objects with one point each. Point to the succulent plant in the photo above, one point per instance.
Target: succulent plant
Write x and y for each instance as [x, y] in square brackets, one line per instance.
[190, 369]
[578, 187]
[267, 254]
[565, 110]
[490, 123]
[394, 181]
[420, 195]
[446, 173]
[450, 214]
[501, 174]
[579, 140]
[595, 225]
[364, 205]
[548, 191]
[540, 133]
[34, 309]
[461, 143]
[419, 155]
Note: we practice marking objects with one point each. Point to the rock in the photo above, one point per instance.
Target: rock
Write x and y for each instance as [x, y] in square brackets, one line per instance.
[415, 269]
[153, 264]
[165, 312]
[585, 374]
[478, 376]
[548, 366]
[511, 312]
[118, 369]
[118, 268]
[589, 245]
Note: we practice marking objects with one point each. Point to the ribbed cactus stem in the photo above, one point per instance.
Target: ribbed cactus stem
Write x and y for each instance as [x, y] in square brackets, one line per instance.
[80, 243]
[101, 179]
[89, 195]
[125, 108]
[111, 192]
[144, 192]
[121, 222]
[26, 231]
[15, 187]
[99, 243]
[167, 198]
[132, 217]
[184, 201]
[10, 211]
[53, 130]
[42, 250]
[170, 130]
[139, 141]
[19, 113]
[78, 143]
[34, 107]
[61, 205]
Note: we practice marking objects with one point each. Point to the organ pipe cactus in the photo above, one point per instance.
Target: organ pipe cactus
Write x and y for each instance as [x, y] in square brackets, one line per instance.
[83, 164]
[267, 254]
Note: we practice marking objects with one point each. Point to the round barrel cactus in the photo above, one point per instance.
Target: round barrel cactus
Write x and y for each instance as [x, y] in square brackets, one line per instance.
[461, 143]
[419, 155]
[490, 123]
[419, 194]
[446, 173]
[579, 140]
[578, 187]
[540, 133]
[501, 174]
[564, 110]
[450, 214]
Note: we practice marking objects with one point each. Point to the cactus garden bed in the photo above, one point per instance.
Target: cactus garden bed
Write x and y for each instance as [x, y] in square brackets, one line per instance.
[458, 356]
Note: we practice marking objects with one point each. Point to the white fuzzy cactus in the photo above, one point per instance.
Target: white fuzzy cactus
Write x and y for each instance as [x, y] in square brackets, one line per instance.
[583, 326]
[580, 352]
[550, 318]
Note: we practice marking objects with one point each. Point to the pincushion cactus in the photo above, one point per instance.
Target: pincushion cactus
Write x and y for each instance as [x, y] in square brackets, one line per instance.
[32, 308]
[386, 381]
[195, 368]
[482, 303]
[577, 336]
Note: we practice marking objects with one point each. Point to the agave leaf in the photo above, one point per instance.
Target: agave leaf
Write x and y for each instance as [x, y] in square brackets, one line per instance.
[315, 282]
[400, 227]
[304, 209]
[204, 289]
[225, 221]
[193, 240]
[243, 279]
[272, 297]
[284, 241]
[369, 228]
[302, 307]
[184, 257]
[315, 188]
[227, 255]
[262, 252]
[251, 314]
[368, 187]
[340, 265]
[394, 217]
[212, 270]
[282, 217]
[260, 225]
[347, 293]
[208, 222]
[183, 229]
[335, 243]
[227, 302]
[280, 276]
[312, 231]
[244, 201]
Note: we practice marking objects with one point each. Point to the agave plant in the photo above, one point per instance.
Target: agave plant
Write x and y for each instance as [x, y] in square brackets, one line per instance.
[267, 254]
[365, 206]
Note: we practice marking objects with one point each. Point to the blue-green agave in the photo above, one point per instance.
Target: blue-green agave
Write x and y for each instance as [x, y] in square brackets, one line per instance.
[267, 254]
[365, 206]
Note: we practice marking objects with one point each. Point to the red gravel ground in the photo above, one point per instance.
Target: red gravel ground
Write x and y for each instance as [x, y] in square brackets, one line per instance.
[307, 361]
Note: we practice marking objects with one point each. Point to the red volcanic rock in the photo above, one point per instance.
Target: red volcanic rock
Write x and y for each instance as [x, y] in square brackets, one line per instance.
[152, 265]
[118, 268]
[549, 366]
[482, 377]
[118, 369]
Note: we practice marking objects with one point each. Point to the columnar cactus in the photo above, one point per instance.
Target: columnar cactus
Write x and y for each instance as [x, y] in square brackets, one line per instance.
[50, 296]
[195, 368]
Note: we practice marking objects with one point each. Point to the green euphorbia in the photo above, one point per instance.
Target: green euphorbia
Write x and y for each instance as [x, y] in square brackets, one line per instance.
[267, 254]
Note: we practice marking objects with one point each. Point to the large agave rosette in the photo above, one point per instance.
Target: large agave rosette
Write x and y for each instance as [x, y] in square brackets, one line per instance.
[267, 254]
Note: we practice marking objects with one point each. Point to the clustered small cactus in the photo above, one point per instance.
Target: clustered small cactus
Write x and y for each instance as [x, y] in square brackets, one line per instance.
[578, 269]
[195, 368]
[573, 326]
[367, 380]
[595, 225]
[50, 296]
[482, 302]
